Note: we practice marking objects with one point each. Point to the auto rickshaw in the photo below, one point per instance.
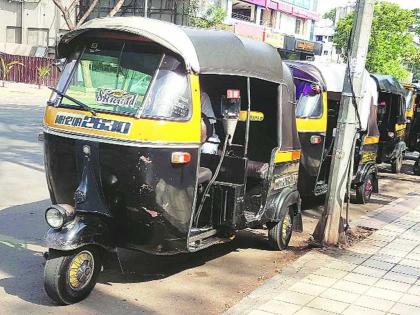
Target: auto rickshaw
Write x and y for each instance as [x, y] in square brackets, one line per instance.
[391, 121]
[318, 90]
[166, 140]
[410, 99]
[413, 142]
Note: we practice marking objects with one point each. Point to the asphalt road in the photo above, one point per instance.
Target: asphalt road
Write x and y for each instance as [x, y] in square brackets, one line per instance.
[206, 282]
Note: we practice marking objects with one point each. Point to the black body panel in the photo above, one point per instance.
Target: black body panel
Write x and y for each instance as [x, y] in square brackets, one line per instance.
[149, 199]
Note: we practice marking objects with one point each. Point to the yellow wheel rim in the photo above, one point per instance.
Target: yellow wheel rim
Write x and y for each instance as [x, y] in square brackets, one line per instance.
[286, 227]
[81, 270]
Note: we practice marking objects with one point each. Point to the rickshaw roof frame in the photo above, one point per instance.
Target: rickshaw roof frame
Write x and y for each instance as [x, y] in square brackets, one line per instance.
[204, 51]
[388, 84]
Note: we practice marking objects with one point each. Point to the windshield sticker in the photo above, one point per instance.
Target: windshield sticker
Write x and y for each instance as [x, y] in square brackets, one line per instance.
[116, 97]
[91, 122]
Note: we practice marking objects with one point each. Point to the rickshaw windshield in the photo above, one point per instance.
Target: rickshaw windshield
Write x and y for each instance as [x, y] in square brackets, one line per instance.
[309, 106]
[409, 100]
[127, 79]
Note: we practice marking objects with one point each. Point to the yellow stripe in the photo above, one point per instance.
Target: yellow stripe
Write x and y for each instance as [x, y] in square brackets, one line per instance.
[410, 113]
[286, 156]
[371, 140]
[315, 124]
[399, 127]
[150, 130]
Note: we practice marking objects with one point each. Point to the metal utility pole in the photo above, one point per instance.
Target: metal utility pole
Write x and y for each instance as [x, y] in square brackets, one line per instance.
[145, 8]
[347, 124]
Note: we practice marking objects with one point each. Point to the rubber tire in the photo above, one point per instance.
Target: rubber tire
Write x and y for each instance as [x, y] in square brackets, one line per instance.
[55, 276]
[416, 168]
[396, 165]
[361, 197]
[275, 232]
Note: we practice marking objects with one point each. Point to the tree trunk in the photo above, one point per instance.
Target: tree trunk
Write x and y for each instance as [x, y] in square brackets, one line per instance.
[87, 13]
[116, 8]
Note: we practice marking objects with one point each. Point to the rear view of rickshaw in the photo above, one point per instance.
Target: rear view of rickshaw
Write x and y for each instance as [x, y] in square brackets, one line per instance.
[165, 140]
[391, 121]
[318, 90]
[410, 101]
[413, 141]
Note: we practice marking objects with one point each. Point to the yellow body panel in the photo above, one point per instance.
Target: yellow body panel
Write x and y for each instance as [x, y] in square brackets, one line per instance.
[371, 140]
[399, 127]
[142, 130]
[286, 156]
[315, 124]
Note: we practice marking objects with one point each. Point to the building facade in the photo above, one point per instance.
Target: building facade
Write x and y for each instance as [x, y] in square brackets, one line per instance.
[286, 24]
[325, 30]
[29, 27]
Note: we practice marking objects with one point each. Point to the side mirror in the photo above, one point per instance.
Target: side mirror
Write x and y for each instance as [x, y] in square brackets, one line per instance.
[59, 64]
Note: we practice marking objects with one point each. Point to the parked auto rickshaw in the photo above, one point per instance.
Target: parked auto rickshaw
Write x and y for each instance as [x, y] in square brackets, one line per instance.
[413, 142]
[166, 140]
[318, 90]
[391, 121]
[410, 99]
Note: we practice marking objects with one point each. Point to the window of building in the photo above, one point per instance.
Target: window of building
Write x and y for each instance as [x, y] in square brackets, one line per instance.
[325, 52]
[318, 38]
[330, 38]
[243, 11]
[268, 18]
[14, 35]
[38, 36]
[299, 26]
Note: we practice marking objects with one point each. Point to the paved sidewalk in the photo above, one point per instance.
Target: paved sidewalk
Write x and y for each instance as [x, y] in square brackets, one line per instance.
[379, 275]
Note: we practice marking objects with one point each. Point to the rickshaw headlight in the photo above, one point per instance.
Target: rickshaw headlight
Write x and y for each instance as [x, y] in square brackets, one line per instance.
[54, 218]
[391, 134]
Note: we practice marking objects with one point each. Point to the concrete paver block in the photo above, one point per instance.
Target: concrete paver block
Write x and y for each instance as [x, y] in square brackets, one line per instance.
[374, 303]
[400, 277]
[342, 265]
[279, 307]
[331, 273]
[319, 280]
[386, 258]
[378, 264]
[312, 311]
[369, 271]
[328, 305]
[357, 310]
[392, 285]
[382, 293]
[411, 263]
[407, 270]
[404, 309]
[362, 279]
[339, 295]
[410, 299]
[352, 287]
[307, 288]
[294, 297]
[258, 312]
[415, 289]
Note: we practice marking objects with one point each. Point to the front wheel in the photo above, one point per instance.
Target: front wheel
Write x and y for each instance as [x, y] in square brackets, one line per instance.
[280, 233]
[396, 164]
[364, 191]
[69, 277]
[416, 168]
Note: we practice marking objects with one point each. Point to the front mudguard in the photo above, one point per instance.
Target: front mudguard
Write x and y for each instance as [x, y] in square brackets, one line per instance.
[399, 149]
[85, 229]
[362, 173]
[278, 204]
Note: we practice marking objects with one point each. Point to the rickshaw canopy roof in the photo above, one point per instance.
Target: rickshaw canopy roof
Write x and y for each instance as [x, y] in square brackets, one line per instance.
[331, 77]
[204, 51]
[388, 84]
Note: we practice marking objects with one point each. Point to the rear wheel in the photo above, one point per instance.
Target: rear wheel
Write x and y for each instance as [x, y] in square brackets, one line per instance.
[364, 191]
[416, 168]
[397, 164]
[69, 277]
[279, 233]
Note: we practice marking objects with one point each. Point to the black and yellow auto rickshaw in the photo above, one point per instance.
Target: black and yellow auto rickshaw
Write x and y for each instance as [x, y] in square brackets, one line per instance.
[318, 90]
[413, 142]
[410, 99]
[165, 140]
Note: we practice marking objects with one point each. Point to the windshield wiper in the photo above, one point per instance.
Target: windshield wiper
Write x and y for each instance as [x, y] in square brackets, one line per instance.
[82, 105]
